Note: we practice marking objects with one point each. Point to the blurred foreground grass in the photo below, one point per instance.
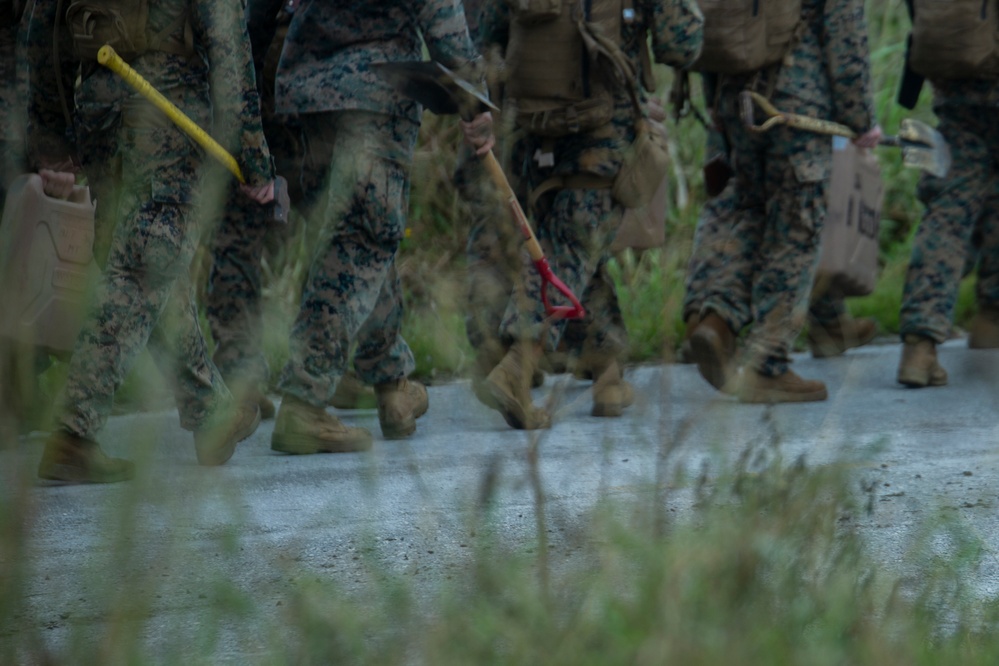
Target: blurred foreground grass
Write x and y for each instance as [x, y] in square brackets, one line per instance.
[757, 560]
[766, 568]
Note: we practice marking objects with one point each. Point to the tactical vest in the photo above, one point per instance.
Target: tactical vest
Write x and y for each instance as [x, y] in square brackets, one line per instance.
[563, 64]
[955, 39]
[124, 25]
[744, 36]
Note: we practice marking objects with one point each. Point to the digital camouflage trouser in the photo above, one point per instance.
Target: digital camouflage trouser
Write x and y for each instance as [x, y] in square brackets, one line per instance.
[143, 172]
[714, 259]
[352, 292]
[958, 206]
[780, 188]
[498, 300]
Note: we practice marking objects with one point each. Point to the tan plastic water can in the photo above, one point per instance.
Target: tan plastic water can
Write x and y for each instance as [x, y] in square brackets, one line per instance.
[47, 267]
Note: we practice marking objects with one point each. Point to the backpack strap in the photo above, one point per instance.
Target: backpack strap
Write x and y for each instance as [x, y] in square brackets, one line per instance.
[163, 40]
[57, 64]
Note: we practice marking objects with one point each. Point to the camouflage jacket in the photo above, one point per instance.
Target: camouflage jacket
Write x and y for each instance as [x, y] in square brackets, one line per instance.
[217, 77]
[827, 73]
[325, 65]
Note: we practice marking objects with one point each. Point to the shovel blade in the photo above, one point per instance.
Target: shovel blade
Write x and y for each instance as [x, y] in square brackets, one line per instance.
[924, 148]
[434, 86]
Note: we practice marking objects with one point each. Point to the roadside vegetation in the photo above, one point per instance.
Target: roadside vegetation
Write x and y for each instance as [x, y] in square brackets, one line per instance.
[764, 565]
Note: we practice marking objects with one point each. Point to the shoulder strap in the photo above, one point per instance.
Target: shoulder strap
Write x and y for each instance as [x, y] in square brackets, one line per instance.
[912, 83]
[162, 41]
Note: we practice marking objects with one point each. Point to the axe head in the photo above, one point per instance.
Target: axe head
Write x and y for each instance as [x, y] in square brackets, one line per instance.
[924, 148]
[435, 87]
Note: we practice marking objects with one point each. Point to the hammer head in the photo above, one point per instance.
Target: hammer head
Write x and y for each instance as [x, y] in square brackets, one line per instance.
[436, 87]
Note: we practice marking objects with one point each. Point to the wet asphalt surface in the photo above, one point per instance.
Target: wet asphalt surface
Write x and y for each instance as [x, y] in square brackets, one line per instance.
[267, 523]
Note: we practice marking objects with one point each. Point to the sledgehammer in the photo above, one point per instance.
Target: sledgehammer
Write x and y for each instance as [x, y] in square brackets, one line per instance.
[441, 91]
[922, 146]
[107, 57]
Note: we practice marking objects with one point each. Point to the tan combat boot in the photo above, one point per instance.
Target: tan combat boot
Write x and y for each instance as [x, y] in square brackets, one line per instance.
[303, 428]
[216, 442]
[919, 366]
[835, 338]
[611, 394]
[788, 387]
[352, 393]
[400, 403]
[509, 388]
[712, 345]
[984, 329]
[487, 357]
[73, 459]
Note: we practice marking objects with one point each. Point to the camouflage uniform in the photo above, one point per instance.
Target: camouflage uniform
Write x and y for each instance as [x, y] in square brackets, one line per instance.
[576, 226]
[781, 178]
[233, 298]
[144, 172]
[352, 292]
[963, 204]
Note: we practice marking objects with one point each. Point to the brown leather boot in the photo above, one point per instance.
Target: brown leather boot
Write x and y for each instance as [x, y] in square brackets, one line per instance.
[352, 393]
[685, 354]
[919, 366]
[984, 329]
[611, 394]
[788, 387]
[303, 428]
[73, 459]
[216, 442]
[509, 388]
[825, 340]
[713, 347]
[400, 403]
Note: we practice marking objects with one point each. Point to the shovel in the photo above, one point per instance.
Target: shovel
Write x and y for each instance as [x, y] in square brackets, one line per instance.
[922, 146]
[110, 59]
[442, 92]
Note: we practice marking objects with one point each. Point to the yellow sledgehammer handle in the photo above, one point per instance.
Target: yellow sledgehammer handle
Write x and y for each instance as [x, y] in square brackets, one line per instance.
[107, 57]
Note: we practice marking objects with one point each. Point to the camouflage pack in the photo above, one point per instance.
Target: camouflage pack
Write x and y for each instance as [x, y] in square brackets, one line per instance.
[124, 25]
[744, 36]
[560, 63]
[955, 39]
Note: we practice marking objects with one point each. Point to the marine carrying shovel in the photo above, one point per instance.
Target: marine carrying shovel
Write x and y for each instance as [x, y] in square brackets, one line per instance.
[922, 146]
[441, 91]
[278, 208]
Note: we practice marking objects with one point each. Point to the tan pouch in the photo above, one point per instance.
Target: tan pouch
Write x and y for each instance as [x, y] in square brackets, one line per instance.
[955, 39]
[644, 228]
[644, 167]
[743, 36]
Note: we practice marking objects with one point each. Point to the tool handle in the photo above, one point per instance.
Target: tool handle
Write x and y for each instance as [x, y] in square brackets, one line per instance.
[498, 177]
[107, 57]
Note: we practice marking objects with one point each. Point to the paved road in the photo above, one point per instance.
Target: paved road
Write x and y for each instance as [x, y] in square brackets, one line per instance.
[266, 522]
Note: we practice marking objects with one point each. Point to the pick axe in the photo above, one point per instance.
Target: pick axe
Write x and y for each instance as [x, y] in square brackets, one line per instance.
[441, 91]
[922, 146]
[107, 56]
